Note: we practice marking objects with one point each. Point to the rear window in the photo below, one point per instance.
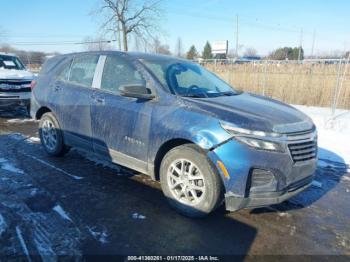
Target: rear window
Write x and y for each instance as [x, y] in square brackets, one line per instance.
[10, 62]
[51, 64]
[117, 73]
[82, 70]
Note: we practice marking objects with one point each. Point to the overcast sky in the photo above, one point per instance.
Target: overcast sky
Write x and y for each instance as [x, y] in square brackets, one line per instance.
[263, 25]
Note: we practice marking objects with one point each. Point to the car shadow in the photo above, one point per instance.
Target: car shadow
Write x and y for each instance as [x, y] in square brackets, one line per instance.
[331, 167]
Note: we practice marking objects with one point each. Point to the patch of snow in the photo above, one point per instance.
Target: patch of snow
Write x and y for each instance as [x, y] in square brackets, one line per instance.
[99, 236]
[17, 136]
[333, 133]
[23, 244]
[6, 165]
[345, 178]
[34, 191]
[284, 214]
[3, 225]
[61, 212]
[20, 121]
[138, 216]
[292, 230]
[316, 183]
[33, 140]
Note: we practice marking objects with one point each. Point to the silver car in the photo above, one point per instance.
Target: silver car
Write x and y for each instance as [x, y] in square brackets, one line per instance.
[15, 82]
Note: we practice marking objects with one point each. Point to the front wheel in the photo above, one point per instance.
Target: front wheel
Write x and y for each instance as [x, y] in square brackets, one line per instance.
[190, 182]
[51, 136]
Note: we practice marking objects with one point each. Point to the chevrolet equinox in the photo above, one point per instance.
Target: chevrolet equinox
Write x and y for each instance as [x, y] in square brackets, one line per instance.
[175, 121]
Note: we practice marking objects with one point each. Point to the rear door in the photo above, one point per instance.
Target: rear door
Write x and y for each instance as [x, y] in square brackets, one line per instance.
[121, 125]
[73, 90]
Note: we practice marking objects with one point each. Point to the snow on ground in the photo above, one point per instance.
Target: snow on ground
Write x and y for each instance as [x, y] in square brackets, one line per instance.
[102, 237]
[20, 120]
[33, 140]
[58, 209]
[333, 133]
[3, 225]
[138, 216]
[6, 165]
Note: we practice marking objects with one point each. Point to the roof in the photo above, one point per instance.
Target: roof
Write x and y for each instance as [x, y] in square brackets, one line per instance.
[135, 55]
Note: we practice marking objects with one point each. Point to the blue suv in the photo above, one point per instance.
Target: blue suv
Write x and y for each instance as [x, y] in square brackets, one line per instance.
[175, 121]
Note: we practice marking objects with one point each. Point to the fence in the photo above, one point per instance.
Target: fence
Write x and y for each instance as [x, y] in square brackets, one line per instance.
[323, 83]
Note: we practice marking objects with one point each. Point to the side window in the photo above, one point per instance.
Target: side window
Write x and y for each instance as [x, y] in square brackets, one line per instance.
[118, 72]
[83, 69]
[63, 74]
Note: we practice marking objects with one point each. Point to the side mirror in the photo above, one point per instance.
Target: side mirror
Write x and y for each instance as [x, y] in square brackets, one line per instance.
[136, 91]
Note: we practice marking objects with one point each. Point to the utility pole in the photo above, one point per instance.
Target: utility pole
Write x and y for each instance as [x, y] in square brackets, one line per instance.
[313, 44]
[237, 36]
[119, 37]
[301, 44]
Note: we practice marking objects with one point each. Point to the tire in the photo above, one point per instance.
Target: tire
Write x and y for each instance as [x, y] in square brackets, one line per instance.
[53, 147]
[210, 195]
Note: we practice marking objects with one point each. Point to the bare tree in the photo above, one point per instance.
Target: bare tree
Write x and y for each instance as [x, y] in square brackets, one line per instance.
[250, 51]
[127, 17]
[160, 48]
[179, 48]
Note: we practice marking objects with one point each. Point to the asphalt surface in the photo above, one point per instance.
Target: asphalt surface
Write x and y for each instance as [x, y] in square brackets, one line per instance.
[78, 206]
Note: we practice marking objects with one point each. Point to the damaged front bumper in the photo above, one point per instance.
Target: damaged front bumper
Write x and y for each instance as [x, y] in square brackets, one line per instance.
[257, 178]
[14, 99]
[234, 203]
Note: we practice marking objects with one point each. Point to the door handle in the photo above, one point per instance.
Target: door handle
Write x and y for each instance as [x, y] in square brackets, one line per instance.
[57, 88]
[99, 100]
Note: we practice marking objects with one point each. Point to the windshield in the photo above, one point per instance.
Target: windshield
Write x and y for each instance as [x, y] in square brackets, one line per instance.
[10, 62]
[187, 79]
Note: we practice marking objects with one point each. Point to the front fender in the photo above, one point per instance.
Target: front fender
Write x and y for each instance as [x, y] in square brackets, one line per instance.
[178, 123]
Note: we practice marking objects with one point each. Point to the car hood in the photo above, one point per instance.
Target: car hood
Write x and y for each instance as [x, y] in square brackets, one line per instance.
[15, 74]
[255, 112]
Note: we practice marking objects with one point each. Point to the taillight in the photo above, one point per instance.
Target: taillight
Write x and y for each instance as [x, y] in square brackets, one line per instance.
[32, 84]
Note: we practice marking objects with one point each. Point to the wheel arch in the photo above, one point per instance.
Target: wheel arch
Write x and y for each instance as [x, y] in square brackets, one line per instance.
[165, 148]
[42, 110]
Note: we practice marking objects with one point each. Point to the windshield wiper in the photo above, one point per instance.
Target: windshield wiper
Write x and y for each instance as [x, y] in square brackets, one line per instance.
[228, 93]
[192, 95]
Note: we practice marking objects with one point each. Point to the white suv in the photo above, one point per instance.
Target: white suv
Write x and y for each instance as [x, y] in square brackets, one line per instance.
[15, 82]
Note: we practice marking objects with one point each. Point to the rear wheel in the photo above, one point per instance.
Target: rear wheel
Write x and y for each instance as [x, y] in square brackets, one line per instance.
[190, 182]
[51, 135]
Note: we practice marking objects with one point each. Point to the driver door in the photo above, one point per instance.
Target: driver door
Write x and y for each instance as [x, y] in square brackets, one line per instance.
[121, 125]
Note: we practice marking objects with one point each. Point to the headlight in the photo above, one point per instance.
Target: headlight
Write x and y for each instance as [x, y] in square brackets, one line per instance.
[255, 139]
[241, 131]
[260, 144]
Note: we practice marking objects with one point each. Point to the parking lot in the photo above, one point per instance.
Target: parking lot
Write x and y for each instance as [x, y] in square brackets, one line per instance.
[79, 206]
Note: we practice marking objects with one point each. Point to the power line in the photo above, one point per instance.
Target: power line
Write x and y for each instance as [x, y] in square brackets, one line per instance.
[248, 22]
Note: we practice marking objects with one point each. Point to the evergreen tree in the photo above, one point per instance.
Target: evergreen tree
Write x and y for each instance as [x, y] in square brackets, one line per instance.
[287, 53]
[192, 53]
[207, 51]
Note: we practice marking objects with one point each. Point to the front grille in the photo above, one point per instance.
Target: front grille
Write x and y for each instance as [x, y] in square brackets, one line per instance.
[303, 146]
[14, 86]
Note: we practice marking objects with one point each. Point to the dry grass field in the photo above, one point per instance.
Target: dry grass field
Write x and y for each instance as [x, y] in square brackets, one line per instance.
[303, 84]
